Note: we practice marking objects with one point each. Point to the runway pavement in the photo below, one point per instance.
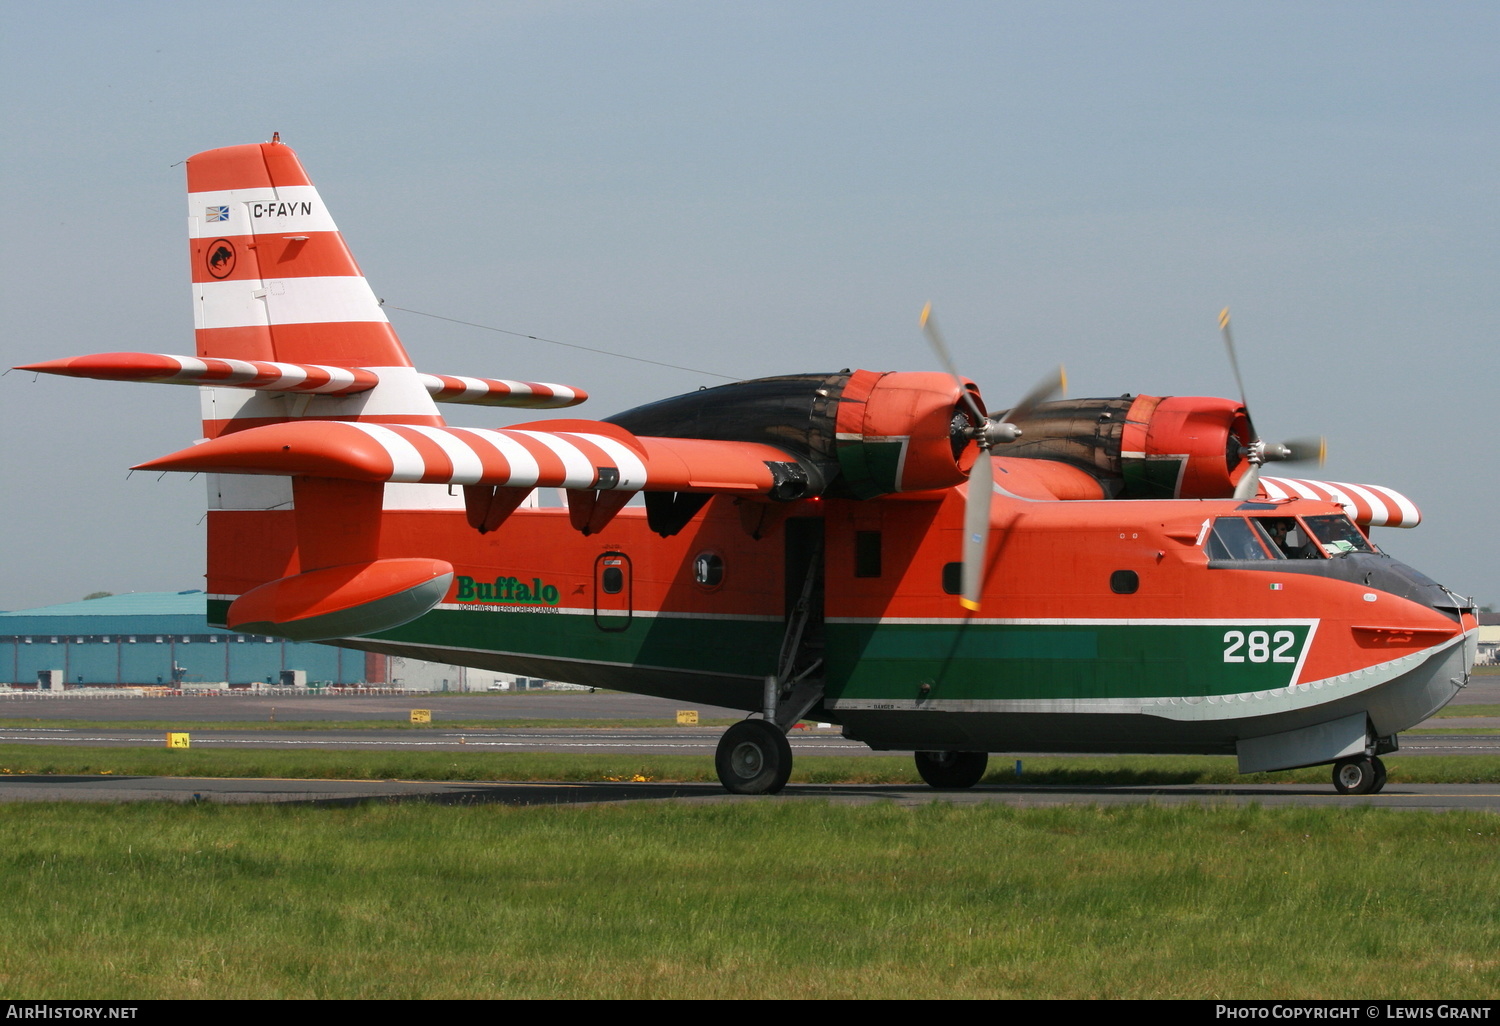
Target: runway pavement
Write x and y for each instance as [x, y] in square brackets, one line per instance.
[628, 741]
[645, 740]
[1429, 797]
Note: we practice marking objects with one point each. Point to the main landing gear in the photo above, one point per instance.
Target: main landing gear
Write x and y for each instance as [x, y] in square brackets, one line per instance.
[952, 770]
[1361, 774]
[753, 757]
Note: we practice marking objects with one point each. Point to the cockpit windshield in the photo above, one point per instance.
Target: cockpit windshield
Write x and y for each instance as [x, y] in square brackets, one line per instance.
[1234, 538]
[1338, 535]
[1289, 537]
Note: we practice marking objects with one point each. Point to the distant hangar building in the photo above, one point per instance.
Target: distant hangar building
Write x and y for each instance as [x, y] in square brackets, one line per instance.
[162, 638]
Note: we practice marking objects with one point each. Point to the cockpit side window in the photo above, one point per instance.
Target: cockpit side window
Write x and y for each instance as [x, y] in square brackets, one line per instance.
[1287, 536]
[1338, 535]
[1234, 538]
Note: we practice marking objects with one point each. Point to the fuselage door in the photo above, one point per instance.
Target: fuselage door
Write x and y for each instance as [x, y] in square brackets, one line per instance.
[612, 591]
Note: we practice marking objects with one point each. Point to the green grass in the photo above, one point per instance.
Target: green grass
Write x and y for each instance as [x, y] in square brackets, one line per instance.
[1076, 771]
[749, 899]
[1450, 711]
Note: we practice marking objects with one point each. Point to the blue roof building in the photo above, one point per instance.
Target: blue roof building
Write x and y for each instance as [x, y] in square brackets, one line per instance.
[160, 638]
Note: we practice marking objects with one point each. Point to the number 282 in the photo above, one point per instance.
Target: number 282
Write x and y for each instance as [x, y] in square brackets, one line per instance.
[1256, 647]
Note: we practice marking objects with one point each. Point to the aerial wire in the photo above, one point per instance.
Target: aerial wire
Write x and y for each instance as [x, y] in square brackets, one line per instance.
[555, 342]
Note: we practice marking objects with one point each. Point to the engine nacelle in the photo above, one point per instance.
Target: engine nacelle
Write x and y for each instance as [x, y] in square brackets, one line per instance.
[855, 434]
[904, 432]
[1183, 447]
[1143, 447]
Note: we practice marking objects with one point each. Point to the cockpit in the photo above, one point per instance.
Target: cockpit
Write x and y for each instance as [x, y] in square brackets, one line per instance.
[1282, 537]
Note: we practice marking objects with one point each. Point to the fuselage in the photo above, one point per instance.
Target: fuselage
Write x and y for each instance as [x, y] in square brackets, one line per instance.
[1106, 625]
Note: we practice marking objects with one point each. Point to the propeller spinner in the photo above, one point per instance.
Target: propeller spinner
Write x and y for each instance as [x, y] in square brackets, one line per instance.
[986, 432]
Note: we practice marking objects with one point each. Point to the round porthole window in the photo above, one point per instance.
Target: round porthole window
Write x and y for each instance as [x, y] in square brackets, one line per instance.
[708, 569]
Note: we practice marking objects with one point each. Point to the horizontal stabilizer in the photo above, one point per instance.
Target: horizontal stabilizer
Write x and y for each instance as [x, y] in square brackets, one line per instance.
[343, 601]
[574, 455]
[1367, 505]
[162, 368]
[533, 395]
[272, 376]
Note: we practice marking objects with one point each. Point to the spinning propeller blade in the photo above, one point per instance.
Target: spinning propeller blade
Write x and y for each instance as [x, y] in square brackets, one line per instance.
[986, 432]
[977, 529]
[1296, 450]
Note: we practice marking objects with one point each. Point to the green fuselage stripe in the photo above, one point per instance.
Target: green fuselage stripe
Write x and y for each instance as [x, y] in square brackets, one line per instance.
[883, 660]
[1046, 661]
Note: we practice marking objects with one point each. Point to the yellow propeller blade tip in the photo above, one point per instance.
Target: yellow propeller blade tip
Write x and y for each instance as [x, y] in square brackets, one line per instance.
[1223, 317]
[969, 605]
[1062, 373]
[926, 313]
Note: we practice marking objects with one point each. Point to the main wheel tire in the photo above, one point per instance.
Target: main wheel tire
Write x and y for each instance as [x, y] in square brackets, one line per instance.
[1379, 776]
[753, 757]
[1355, 776]
[952, 769]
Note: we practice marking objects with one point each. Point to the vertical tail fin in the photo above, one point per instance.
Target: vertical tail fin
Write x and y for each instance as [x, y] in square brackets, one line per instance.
[274, 281]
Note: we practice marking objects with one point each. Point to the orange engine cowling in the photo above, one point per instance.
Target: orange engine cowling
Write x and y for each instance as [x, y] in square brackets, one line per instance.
[904, 432]
[1184, 447]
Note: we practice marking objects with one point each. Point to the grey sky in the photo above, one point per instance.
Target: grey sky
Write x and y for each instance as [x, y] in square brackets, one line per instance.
[762, 188]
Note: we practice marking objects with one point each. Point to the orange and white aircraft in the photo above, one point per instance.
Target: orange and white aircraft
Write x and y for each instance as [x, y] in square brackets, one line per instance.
[848, 545]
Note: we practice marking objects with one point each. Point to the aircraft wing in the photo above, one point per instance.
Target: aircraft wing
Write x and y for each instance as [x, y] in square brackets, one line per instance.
[1367, 505]
[567, 454]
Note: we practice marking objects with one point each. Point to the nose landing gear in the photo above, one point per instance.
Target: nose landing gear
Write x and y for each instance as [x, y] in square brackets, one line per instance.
[952, 769]
[1361, 774]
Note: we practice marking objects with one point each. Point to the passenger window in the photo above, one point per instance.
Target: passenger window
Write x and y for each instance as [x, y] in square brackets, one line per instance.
[1124, 582]
[953, 578]
[1233, 538]
[708, 570]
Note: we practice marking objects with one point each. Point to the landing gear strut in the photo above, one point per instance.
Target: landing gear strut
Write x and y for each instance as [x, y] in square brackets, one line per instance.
[1361, 774]
[753, 757]
[952, 769]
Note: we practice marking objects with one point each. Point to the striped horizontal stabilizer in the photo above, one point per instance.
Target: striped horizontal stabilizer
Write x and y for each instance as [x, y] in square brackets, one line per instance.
[535, 395]
[271, 376]
[1367, 505]
[210, 370]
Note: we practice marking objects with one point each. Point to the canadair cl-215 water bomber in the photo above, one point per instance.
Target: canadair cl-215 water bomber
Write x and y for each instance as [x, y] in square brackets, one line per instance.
[872, 549]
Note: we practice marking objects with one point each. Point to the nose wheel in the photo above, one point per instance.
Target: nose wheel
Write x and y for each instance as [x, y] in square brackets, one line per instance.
[753, 757]
[1359, 775]
[950, 770]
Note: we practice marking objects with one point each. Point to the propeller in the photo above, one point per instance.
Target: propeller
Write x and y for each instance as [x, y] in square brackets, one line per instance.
[986, 432]
[1258, 452]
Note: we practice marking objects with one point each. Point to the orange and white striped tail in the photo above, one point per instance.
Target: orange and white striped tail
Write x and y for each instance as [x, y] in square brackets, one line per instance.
[273, 282]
